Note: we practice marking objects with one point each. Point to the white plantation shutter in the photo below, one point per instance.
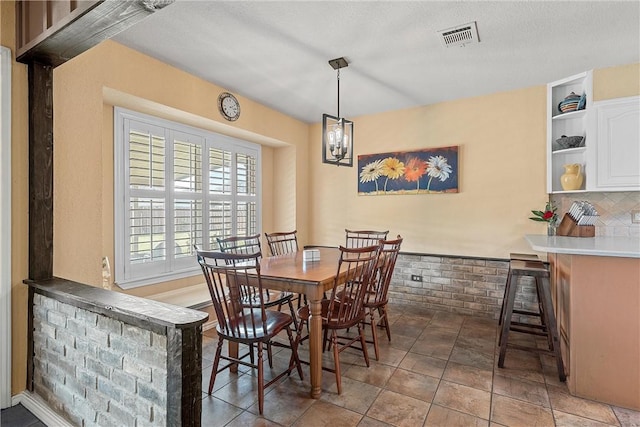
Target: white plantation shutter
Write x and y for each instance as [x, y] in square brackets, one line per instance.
[147, 237]
[175, 187]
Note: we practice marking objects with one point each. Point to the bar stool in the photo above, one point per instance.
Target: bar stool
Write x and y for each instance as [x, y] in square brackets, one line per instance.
[521, 257]
[536, 269]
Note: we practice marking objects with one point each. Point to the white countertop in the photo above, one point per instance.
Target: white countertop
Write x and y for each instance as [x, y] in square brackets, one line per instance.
[628, 247]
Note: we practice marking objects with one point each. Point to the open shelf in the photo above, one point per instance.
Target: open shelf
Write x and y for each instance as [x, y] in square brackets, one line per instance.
[570, 115]
[572, 123]
[570, 150]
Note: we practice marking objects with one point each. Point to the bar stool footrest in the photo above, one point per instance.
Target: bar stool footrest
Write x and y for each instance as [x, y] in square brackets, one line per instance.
[528, 348]
[527, 313]
[529, 325]
[526, 331]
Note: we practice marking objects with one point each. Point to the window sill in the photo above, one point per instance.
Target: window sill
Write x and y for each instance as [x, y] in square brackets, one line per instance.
[155, 279]
[195, 296]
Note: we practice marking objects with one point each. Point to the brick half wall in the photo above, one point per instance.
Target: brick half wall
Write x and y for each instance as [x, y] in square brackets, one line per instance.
[472, 286]
[101, 358]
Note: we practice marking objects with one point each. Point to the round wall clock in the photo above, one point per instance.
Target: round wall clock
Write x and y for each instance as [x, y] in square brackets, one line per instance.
[229, 106]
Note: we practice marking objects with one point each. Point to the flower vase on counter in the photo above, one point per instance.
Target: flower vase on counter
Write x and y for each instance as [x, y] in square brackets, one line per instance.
[549, 216]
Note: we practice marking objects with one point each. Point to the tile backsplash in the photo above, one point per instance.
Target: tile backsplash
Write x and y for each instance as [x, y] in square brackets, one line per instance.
[614, 209]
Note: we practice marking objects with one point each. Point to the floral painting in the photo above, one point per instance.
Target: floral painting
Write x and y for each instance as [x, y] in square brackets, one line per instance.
[431, 170]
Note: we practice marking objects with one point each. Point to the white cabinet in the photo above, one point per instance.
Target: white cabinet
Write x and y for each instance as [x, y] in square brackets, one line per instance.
[573, 123]
[617, 147]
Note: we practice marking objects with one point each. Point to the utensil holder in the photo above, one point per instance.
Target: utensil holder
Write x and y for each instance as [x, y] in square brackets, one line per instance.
[569, 227]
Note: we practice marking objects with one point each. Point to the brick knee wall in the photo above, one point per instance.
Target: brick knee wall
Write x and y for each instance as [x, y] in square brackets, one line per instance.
[472, 286]
[97, 370]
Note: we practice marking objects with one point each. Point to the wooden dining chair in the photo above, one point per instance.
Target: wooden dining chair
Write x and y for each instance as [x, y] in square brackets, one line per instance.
[344, 308]
[226, 274]
[377, 295]
[247, 245]
[285, 242]
[363, 238]
[282, 242]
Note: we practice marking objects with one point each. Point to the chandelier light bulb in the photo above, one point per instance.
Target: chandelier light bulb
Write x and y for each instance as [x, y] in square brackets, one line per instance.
[337, 130]
[332, 139]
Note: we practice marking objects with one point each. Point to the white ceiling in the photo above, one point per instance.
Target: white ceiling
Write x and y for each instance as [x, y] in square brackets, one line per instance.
[277, 52]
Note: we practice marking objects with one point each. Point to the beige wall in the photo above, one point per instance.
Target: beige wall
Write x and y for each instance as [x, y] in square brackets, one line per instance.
[501, 139]
[85, 91]
[616, 82]
[19, 201]
[501, 165]
[501, 175]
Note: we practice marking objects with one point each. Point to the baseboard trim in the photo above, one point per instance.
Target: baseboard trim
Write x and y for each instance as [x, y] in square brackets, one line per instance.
[40, 409]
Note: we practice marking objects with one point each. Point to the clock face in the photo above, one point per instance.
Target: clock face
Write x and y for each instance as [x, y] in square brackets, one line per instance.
[229, 106]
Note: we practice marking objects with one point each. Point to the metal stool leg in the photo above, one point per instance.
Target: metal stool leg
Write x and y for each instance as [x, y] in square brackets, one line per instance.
[506, 321]
[552, 326]
[504, 298]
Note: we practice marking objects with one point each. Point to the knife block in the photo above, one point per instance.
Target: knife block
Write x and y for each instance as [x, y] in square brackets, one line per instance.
[569, 227]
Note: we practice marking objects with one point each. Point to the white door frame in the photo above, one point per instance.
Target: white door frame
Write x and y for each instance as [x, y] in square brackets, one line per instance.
[5, 227]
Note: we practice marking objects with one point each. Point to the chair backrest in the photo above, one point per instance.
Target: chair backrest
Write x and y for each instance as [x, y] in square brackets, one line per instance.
[364, 238]
[379, 288]
[226, 275]
[281, 243]
[346, 304]
[240, 244]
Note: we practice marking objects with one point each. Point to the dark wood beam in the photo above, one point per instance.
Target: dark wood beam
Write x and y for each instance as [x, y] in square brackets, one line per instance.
[84, 28]
[40, 171]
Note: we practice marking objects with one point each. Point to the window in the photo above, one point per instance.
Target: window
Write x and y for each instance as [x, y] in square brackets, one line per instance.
[176, 186]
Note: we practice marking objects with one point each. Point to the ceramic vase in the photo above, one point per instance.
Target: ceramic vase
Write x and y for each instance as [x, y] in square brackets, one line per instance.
[572, 177]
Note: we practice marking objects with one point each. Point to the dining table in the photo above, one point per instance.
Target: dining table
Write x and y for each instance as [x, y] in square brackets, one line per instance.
[312, 278]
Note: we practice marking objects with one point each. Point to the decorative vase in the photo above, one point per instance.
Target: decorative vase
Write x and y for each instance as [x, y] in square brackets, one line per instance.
[551, 229]
[572, 177]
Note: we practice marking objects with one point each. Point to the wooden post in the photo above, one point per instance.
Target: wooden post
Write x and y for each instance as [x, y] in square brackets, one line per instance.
[40, 171]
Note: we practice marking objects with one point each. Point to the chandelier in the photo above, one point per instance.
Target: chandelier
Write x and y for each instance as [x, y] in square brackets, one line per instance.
[337, 132]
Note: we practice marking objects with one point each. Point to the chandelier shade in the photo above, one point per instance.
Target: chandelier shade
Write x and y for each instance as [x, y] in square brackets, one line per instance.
[337, 132]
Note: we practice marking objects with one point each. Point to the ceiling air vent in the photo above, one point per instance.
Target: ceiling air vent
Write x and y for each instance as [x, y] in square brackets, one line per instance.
[460, 35]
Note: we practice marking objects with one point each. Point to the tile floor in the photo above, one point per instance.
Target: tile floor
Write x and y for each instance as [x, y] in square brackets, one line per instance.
[19, 416]
[440, 369]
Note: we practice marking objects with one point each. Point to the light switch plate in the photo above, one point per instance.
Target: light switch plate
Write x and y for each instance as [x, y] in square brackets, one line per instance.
[635, 216]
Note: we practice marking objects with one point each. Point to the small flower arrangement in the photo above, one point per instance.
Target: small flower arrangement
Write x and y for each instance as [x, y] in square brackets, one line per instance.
[548, 215]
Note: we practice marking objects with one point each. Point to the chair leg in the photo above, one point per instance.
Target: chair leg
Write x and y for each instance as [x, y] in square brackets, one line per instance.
[260, 380]
[299, 329]
[216, 363]
[382, 311]
[297, 341]
[294, 353]
[363, 343]
[270, 354]
[293, 314]
[374, 334]
[336, 359]
[326, 343]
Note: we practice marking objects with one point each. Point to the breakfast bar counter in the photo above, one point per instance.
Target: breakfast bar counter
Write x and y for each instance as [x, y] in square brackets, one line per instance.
[597, 246]
[595, 285]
